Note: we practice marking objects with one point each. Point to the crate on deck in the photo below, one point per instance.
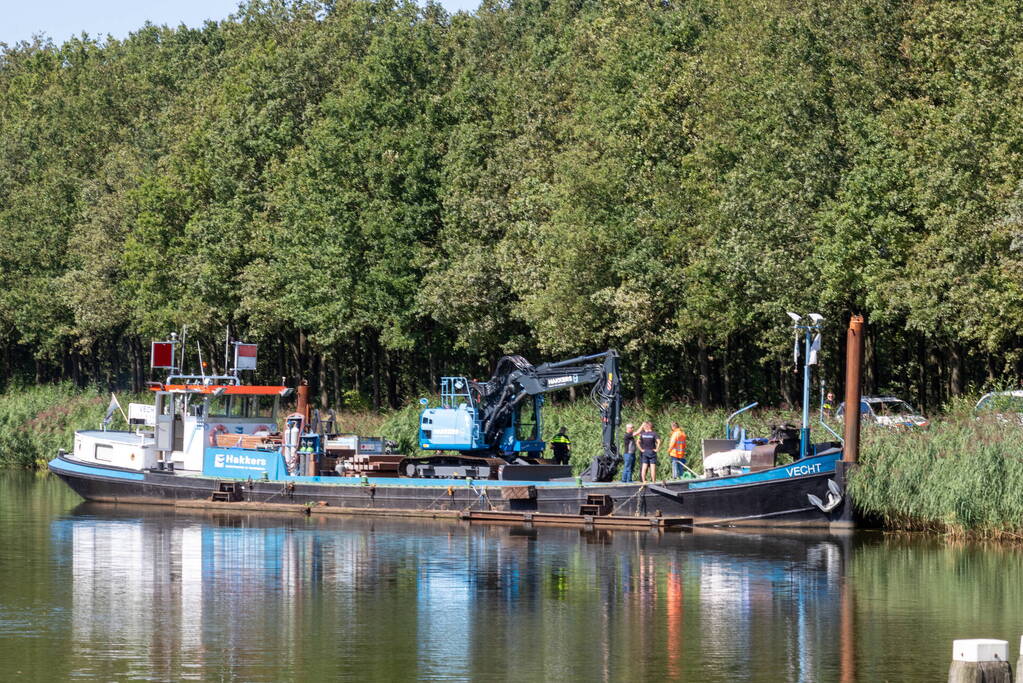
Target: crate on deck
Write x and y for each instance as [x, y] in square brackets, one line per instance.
[370, 465]
[352, 455]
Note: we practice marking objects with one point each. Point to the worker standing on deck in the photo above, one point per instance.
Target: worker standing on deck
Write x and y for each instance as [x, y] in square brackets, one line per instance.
[829, 405]
[677, 451]
[628, 452]
[562, 447]
[649, 443]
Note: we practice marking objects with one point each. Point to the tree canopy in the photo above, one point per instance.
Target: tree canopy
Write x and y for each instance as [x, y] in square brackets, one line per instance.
[380, 192]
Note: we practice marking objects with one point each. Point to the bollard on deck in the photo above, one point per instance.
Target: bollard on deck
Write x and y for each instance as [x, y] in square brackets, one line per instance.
[980, 660]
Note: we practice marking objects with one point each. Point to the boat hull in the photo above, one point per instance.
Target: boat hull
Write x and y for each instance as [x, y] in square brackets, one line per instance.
[776, 497]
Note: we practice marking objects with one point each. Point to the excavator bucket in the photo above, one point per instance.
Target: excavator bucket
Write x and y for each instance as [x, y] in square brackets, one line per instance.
[601, 469]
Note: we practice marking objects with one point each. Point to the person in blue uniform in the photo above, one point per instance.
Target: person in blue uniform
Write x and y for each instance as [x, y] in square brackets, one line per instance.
[649, 443]
[562, 447]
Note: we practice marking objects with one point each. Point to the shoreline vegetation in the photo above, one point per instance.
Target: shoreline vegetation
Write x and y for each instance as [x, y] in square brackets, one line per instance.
[961, 477]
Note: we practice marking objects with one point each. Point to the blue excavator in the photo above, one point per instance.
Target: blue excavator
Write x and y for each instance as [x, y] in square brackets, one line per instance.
[492, 429]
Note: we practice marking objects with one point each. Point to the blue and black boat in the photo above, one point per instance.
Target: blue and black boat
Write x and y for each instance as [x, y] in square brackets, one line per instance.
[211, 438]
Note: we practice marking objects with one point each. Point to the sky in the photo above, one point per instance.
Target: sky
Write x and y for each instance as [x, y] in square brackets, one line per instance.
[62, 19]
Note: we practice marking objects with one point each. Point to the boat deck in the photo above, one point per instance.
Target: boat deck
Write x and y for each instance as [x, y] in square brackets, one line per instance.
[130, 438]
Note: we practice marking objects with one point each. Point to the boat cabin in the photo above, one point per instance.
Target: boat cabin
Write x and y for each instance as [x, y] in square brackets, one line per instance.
[190, 419]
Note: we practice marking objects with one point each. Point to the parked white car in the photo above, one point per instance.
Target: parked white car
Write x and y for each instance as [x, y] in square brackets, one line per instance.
[1005, 406]
[887, 411]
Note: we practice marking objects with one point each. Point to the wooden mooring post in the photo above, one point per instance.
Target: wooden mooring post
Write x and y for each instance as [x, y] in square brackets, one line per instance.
[980, 660]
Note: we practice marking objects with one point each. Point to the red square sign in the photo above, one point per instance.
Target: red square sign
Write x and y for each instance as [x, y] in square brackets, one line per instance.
[162, 355]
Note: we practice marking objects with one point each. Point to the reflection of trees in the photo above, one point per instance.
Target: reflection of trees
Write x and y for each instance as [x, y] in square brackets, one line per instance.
[931, 593]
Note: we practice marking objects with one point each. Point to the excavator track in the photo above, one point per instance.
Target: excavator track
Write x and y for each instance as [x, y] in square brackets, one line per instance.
[451, 466]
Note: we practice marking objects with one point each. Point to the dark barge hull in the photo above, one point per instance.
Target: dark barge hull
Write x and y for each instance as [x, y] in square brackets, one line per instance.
[780, 501]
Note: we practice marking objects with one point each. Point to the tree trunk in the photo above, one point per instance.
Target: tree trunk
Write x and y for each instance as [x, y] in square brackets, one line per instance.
[921, 359]
[392, 381]
[704, 371]
[869, 362]
[375, 352]
[726, 377]
[955, 380]
[336, 376]
[322, 381]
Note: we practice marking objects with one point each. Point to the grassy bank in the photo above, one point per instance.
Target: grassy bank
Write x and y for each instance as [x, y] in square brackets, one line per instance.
[582, 422]
[962, 476]
[36, 421]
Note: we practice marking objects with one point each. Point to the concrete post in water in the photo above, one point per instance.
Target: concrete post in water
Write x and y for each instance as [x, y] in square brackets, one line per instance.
[980, 660]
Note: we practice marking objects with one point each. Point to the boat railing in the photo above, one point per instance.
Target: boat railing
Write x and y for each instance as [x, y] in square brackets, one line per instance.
[208, 380]
[728, 420]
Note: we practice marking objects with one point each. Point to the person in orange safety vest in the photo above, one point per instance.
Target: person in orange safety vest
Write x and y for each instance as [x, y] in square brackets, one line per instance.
[677, 450]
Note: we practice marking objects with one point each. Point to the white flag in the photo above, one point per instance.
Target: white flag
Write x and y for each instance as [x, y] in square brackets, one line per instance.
[795, 350]
[815, 348]
[114, 405]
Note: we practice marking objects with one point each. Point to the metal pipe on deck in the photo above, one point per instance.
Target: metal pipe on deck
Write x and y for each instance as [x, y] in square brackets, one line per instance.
[309, 466]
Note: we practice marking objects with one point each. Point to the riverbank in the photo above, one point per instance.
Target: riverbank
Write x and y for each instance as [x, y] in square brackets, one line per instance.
[960, 477]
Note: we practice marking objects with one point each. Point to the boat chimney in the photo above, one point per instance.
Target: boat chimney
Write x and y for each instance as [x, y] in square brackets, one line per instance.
[303, 400]
[853, 372]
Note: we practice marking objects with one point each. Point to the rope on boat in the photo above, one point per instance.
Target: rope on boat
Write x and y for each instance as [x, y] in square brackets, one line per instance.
[285, 489]
[450, 492]
[481, 494]
[628, 500]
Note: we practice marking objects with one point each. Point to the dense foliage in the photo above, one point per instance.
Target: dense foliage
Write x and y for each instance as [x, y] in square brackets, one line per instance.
[381, 193]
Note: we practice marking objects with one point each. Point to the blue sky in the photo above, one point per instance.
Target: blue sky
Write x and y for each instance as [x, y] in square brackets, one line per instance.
[61, 19]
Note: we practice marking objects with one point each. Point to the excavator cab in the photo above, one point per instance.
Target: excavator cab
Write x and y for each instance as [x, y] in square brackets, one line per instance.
[523, 436]
[493, 428]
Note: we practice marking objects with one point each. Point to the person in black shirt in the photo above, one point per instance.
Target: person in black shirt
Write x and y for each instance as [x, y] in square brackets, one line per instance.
[649, 442]
[628, 452]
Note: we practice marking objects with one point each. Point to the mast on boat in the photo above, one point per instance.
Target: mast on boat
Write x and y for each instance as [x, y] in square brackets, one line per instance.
[812, 345]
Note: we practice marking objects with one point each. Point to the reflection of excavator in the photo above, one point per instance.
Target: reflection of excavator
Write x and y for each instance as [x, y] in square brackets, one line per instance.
[490, 430]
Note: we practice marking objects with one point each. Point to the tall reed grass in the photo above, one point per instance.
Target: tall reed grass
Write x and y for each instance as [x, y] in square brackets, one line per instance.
[35, 421]
[960, 476]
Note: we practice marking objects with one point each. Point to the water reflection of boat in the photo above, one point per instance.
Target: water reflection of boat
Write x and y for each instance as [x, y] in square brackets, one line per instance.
[192, 595]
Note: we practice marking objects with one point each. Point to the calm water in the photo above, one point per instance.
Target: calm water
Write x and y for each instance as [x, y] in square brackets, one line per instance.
[115, 593]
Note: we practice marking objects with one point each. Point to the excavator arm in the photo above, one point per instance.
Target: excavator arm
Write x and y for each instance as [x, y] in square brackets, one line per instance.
[515, 379]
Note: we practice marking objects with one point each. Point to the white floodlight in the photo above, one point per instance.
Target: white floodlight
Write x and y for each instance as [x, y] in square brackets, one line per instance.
[795, 318]
[817, 318]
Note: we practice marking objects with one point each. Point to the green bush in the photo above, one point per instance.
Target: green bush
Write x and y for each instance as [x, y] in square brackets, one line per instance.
[36, 421]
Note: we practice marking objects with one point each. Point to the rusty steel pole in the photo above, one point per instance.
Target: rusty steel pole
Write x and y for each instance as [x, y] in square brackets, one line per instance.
[303, 400]
[303, 409]
[853, 372]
